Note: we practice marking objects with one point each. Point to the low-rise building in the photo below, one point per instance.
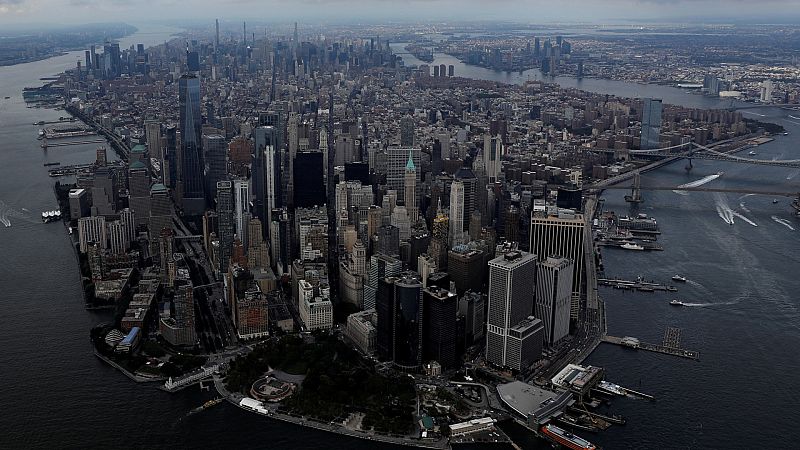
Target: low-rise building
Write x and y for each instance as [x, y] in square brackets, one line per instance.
[361, 330]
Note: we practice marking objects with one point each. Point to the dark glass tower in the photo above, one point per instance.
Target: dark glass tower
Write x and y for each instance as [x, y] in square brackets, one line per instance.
[309, 190]
[193, 200]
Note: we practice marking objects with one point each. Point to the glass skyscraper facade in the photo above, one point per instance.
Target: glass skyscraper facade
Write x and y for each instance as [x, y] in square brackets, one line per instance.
[190, 128]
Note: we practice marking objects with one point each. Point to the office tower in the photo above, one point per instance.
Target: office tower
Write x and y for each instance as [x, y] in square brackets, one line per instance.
[439, 245]
[216, 165]
[166, 250]
[466, 267]
[580, 69]
[439, 279]
[192, 195]
[493, 151]
[152, 133]
[309, 190]
[380, 266]
[316, 309]
[561, 233]
[266, 175]
[139, 191]
[241, 211]
[553, 296]
[418, 244]
[440, 308]
[105, 191]
[280, 244]
[426, 266]
[651, 124]
[225, 223]
[127, 218]
[511, 222]
[88, 59]
[470, 181]
[388, 240]
[410, 191]
[396, 169]
[525, 342]
[471, 306]
[257, 255]
[79, 204]
[400, 326]
[475, 225]
[91, 229]
[160, 215]
[407, 131]
[183, 331]
[512, 279]
[94, 256]
[216, 39]
[169, 144]
[374, 220]
[250, 314]
[456, 213]
[118, 236]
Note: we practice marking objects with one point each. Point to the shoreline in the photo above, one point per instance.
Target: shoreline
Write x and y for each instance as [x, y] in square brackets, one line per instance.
[442, 443]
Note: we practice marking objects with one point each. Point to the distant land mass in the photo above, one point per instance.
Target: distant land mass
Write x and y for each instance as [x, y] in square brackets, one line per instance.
[19, 46]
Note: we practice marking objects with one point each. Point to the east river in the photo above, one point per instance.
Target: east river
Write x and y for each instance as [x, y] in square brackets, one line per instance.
[742, 284]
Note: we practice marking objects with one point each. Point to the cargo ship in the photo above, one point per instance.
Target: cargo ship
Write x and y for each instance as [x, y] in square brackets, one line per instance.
[566, 438]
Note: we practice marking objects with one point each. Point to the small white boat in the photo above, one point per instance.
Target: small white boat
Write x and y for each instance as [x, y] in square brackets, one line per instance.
[752, 153]
[679, 278]
[631, 246]
[676, 303]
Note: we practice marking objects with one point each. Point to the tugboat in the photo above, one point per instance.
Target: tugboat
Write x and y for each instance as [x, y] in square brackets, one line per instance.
[676, 303]
[679, 278]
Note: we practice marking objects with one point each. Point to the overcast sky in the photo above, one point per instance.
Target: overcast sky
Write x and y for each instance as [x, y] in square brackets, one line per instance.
[534, 11]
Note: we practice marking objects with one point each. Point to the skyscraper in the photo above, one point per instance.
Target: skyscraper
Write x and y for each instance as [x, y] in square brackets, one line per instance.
[407, 131]
[380, 266]
[456, 213]
[492, 153]
[512, 279]
[152, 130]
[553, 294]
[139, 191]
[160, 215]
[192, 195]
[651, 123]
[309, 190]
[440, 308]
[225, 223]
[215, 151]
[396, 169]
[241, 211]
[400, 315]
[561, 233]
[410, 186]
[266, 175]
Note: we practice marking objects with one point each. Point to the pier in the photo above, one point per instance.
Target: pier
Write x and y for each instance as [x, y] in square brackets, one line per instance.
[46, 145]
[670, 346]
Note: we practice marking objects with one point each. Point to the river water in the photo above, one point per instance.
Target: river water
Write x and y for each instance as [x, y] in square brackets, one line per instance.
[742, 279]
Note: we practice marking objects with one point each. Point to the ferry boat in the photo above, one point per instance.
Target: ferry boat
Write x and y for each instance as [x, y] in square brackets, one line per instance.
[676, 303]
[631, 246]
[679, 278]
[566, 438]
[612, 388]
[50, 216]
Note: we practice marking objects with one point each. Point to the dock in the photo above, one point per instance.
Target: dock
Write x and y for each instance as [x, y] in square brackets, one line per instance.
[670, 346]
[638, 285]
[46, 144]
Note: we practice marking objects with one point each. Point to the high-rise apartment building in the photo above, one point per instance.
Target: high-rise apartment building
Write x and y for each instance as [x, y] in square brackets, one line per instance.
[651, 123]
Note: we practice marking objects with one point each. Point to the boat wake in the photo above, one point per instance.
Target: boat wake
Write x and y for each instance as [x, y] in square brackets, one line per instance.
[723, 209]
[744, 208]
[698, 183]
[793, 174]
[783, 222]
[744, 218]
[706, 305]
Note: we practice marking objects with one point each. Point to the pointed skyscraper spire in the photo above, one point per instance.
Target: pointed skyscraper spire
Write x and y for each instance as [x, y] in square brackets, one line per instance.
[410, 163]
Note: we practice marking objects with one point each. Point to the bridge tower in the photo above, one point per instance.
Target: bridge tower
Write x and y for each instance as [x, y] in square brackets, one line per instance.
[688, 166]
[636, 190]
